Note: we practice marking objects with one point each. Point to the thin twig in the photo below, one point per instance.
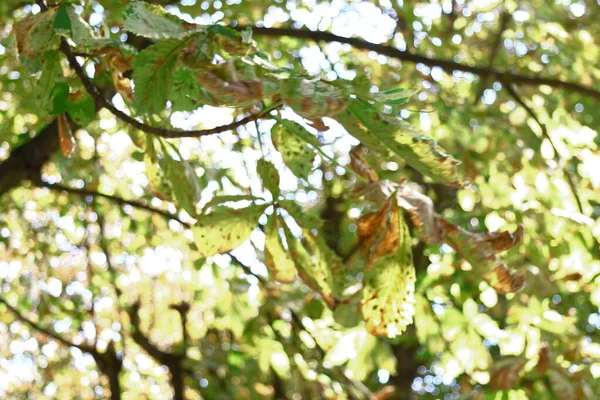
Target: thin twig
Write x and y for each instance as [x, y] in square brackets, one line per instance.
[163, 132]
[408, 56]
[115, 199]
[45, 331]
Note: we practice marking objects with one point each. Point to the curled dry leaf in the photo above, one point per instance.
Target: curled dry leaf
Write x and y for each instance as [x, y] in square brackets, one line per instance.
[543, 358]
[506, 373]
[65, 136]
[378, 233]
[359, 165]
[421, 211]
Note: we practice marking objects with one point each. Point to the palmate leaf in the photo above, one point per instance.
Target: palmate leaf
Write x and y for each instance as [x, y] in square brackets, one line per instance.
[388, 299]
[418, 151]
[153, 72]
[225, 229]
[153, 22]
[278, 259]
[296, 154]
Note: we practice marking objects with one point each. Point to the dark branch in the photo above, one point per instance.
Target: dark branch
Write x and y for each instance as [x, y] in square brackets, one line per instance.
[163, 132]
[26, 161]
[407, 56]
[115, 199]
[170, 360]
[47, 332]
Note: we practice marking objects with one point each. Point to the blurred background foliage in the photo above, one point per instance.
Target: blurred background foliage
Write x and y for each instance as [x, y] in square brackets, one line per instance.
[108, 296]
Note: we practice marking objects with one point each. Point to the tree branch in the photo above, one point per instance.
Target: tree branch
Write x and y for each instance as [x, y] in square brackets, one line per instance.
[163, 132]
[115, 199]
[170, 360]
[47, 332]
[407, 56]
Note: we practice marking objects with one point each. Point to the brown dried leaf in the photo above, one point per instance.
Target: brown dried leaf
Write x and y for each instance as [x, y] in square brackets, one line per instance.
[378, 233]
[359, 165]
[506, 373]
[505, 280]
[481, 249]
[543, 358]
[376, 192]
[421, 211]
[318, 124]
[65, 136]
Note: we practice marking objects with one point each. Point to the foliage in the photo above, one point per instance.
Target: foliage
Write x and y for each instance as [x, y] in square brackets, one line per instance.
[247, 200]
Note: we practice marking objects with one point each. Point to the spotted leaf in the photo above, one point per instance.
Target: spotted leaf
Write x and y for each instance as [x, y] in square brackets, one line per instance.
[312, 263]
[184, 182]
[269, 176]
[420, 152]
[279, 262]
[296, 154]
[388, 300]
[225, 229]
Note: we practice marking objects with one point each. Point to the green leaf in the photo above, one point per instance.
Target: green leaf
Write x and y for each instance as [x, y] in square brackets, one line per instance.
[62, 22]
[153, 75]
[303, 217]
[60, 98]
[279, 262]
[153, 22]
[156, 175]
[186, 93]
[223, 30]
[420, 152]
[52, 74]
[269, 176]
[395, 96]
[83, 111]
[184, 183]
[388, 300]
[296, 154]
[312, 264]
[225, 229]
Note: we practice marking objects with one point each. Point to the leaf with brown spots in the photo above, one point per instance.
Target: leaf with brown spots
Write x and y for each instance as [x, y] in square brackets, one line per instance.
[35, 34]
[313, 263]
[225, 229]
[153, 70]
[184, 182]
[388, 299]
[278, 260]
[269, 176]
[420, 152]
[66, 139]
[296, 154]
